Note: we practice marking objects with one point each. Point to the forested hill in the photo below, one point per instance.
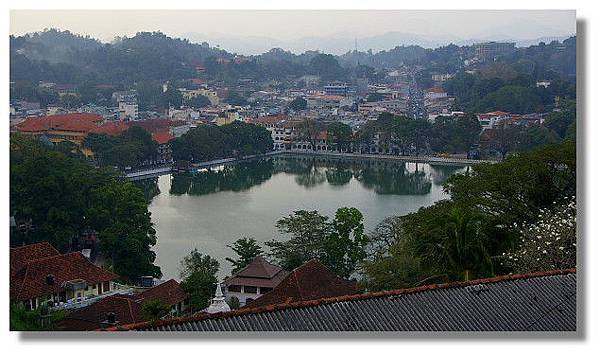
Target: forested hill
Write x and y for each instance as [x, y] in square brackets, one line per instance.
[64, 57]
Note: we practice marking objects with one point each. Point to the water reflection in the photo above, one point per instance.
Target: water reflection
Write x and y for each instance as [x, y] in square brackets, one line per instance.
[382, 177]
[441, 173]
[238, 177]
[149, 187]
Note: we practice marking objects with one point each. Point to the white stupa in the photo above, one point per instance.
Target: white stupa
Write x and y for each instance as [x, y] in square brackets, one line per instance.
[218, 303]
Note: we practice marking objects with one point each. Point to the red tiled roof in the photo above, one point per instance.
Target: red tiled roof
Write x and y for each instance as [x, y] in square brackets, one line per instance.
[30, 281]
[270, 119]
[21, 255]
[162, 137]
[259, 273]
[309, 281]
[156, 125]
[78, 122]
[111, 128]
[345, 298]
[169, 293]
[126, 311]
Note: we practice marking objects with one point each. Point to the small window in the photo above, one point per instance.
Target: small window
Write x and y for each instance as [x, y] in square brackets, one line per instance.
[234, 288]
[106, 286]
[250, 289]
[93, 286]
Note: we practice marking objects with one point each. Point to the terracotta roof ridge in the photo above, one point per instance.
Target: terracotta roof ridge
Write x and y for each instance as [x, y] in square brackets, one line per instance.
[30, 245]
[346, 298]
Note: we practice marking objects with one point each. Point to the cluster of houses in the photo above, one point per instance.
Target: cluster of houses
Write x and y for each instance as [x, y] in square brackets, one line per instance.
[93, 298]
[75, 127]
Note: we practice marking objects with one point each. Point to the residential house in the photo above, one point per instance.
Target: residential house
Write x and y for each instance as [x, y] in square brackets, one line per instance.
[37, 277]
[253, 281]
[309, 281]
[122, 309]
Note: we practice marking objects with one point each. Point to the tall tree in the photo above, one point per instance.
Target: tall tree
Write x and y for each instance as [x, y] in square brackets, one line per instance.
[199, 278]
[246, 249]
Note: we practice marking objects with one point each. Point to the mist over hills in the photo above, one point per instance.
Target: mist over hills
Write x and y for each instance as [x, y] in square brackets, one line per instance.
[340, 44]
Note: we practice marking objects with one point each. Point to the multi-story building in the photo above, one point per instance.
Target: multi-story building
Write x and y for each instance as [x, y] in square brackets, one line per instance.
[72, 127]
[336, 90]
[40, 274]
[491, 50]
[128, 110]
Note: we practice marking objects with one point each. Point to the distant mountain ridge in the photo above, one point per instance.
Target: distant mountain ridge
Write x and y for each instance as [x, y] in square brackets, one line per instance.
[255, 45]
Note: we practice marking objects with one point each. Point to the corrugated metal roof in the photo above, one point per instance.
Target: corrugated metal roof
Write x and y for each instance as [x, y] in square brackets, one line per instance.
[534, 302]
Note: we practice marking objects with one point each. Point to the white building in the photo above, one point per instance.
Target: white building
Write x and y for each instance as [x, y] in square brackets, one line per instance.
[128, 110]
[253, 281]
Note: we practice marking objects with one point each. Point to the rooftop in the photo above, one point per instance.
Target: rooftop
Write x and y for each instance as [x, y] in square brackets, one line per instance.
[259, 273]
[21, 255]
[309, 281]
[78, 122]
[542, 301]
[30, 281]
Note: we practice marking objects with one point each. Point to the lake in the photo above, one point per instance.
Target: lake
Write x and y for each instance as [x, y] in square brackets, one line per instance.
[211, 209]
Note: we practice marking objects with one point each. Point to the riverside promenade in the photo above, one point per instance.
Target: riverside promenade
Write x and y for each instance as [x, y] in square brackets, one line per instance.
[166, 169]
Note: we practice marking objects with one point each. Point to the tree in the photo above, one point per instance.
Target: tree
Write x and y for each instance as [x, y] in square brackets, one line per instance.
[40, 319]
[309, 131]
[171, 98]
[297, 104]
[550, 243]
[154, 310]
[338, 244]
[199, 101]
[340, 135]
[234, 98]
[515, 189]
[120, 215]
[374, 97]
[198, 273]
[246, 249]
[326, 66]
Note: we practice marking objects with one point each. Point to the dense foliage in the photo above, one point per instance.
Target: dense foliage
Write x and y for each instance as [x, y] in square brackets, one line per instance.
[58, 197]
[199, 278]
[132, 148]
[464, 237]
[246, 249]
[338, 244]
[208, 142]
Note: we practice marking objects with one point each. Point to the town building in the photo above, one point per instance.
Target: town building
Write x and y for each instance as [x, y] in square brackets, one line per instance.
[435, 93]
[37, 277]
[128, 110]
[336, 90]
[72, 127]
[122, 309]
[540, 301]
[492, 119]
[163, 139]
[253, 281]
[309, 281]
[489, 51]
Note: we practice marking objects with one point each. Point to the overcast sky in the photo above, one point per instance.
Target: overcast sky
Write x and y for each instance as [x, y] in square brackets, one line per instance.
[292, 25]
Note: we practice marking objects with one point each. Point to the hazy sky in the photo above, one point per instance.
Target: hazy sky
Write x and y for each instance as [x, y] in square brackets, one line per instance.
[292, 24]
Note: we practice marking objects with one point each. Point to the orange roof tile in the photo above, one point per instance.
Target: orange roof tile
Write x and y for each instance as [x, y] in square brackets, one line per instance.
[30, 281]
[78, 122]
[162, 137]
[111, 128]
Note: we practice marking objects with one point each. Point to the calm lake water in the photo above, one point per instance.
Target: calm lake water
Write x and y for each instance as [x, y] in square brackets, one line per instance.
[213, 208]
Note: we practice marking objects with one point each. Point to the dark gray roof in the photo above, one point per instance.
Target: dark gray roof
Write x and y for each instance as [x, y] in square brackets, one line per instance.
[534, 302]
